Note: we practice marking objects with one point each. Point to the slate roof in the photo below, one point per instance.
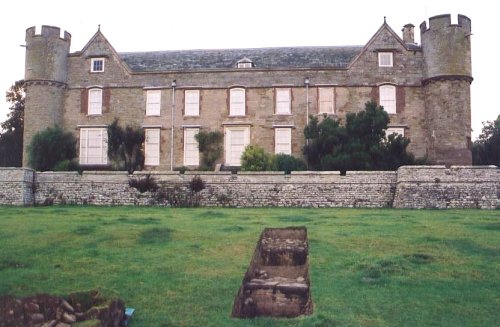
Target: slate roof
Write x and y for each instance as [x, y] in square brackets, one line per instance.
[297, 57]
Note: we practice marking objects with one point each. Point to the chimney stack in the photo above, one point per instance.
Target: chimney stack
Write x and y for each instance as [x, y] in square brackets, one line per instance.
[408, 33]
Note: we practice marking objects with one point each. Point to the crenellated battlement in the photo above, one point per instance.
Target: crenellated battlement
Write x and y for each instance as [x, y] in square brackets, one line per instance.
[49, 32]
[444, 21]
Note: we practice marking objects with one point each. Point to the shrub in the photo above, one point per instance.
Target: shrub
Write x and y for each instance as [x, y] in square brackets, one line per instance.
[197, 184]
[49, 147]
[145, 184]
[210, 146]
[288, 163]
[254, 158]
[125, 147]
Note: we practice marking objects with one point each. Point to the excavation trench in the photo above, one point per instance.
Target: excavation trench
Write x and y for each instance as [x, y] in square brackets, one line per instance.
[277, 281]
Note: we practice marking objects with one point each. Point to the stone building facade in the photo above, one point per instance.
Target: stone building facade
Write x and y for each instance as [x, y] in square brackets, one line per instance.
[254, 96]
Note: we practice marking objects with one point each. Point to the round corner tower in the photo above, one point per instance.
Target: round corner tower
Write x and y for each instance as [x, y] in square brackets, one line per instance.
[45, 77]
[447, 77]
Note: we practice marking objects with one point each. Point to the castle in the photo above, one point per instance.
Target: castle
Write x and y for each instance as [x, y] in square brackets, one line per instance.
[254, 96]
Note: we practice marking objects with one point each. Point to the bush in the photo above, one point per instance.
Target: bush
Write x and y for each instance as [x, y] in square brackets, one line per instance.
[144, 184]
[49, 147]
[197, 184]
[254, 158]
[288, 163]
[67, 165]
[210, 146]
[125, 147]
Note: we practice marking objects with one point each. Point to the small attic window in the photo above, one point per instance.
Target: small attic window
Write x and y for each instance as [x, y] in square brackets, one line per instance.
[97, 65]
[244, 63]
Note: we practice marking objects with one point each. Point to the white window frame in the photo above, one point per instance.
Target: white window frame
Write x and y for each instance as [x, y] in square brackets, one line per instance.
[395, 130]
[152, 142]
[153, 103]
[387, 98]
[244, 65]
[227, 143]
[236, 106]
[385, 59]
[191, 107]
[283, 140]
[94, 106]
[94, 138]
[191, 148]
[283, 101]
[93, 62]
[328, 103]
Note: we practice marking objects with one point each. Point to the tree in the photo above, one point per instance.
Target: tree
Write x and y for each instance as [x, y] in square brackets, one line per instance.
[486, 149]
[11, 138]
[210, 146]
[125, 147]
[51, 148]
[359, 145]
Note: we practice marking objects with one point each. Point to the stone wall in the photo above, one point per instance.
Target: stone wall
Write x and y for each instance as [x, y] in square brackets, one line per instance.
[16, 186]
[409, 187]
[441, 187]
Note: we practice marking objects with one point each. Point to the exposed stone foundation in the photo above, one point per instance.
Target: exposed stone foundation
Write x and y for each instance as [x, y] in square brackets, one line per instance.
[408, 187]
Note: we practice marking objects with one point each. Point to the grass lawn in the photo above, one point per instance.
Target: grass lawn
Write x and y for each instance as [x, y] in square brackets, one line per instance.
[183, 267]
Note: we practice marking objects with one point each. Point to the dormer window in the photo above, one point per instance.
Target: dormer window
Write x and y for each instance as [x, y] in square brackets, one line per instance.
[244, 63]
[385, 59]
[97, 65]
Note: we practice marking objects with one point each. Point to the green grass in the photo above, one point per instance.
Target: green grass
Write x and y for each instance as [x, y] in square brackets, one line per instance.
[183, 267]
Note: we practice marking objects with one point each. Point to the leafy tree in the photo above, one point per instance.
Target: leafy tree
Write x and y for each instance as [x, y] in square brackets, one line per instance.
[486, 149]
[254, 158]
[359, 145]
[11, 138]
[51, 148]
[125, 147]
[210, 146]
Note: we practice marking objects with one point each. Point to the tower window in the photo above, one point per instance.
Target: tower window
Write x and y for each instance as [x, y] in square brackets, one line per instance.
[97, 65]
[385, 59]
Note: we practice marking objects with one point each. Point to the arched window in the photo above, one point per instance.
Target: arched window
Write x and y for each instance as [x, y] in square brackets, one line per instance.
[387, 95]
[237, 102]
[95, 102]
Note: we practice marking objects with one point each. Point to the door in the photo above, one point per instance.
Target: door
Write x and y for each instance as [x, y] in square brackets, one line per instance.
[237, 138]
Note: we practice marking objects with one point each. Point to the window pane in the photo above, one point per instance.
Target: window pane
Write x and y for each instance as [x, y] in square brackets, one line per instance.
[237, 102]
[385, 59]
[283, 101]
[387, 95]
[191, 151]
[326, 100]
[283, 140]
[152, 147]
[93, 146]
[153, 103]
[95, 102]
[192, 103]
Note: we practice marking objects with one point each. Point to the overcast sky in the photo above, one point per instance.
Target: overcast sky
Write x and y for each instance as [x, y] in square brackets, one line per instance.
[149, 25]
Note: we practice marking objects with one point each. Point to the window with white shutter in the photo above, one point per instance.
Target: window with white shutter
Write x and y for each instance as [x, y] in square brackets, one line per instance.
[93, 146]
[95, 102]
[326, 100]
[153, 102]
[387, 95]
[192, 102]
[152, 147]
[283, 140]
[191, 150]
[237, 102]
[283, 101]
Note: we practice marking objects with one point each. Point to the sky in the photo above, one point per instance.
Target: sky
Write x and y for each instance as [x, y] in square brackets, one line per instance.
[151, 25]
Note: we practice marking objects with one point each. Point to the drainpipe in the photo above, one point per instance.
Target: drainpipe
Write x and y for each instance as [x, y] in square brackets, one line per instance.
[174, 84]
[306, 82]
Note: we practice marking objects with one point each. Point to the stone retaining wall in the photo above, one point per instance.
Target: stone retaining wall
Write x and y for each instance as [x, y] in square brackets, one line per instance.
[409, 187]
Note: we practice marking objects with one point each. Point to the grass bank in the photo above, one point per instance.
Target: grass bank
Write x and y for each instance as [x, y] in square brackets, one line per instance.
[183, 267]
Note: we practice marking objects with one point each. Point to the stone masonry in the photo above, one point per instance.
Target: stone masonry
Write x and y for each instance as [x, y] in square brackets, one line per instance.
[408, 187]
[431, 83]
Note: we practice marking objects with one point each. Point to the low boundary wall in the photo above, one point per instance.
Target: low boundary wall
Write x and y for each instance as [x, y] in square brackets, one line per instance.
[408, 187]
